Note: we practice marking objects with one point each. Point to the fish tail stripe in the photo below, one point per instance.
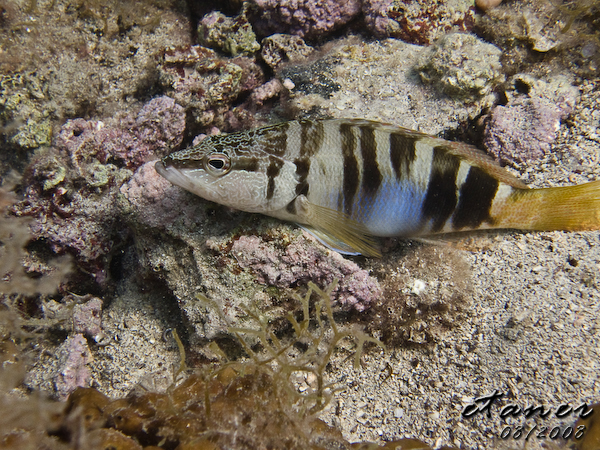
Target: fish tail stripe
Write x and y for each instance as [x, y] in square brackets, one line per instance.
[371, 176]
[441, 195]
[311, 137]
[350, 169]
[273, 169]
[302, 171]
[475, 200]
[402, 154]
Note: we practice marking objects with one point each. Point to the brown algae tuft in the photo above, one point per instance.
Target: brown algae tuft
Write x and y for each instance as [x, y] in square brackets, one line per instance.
[244, 404]
[426, 294]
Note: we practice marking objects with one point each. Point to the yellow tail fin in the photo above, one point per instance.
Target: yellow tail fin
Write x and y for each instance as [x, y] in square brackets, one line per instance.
[571, 208]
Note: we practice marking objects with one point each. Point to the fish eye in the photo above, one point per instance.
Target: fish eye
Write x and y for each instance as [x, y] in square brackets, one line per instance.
[217, 164]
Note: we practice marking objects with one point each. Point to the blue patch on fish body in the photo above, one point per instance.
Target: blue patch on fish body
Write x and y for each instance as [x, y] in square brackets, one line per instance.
[394, 211]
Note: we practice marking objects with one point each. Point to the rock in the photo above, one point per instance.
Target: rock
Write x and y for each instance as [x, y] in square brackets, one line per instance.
[462, 66]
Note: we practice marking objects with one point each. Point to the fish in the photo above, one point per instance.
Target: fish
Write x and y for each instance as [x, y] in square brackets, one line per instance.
[350, 181]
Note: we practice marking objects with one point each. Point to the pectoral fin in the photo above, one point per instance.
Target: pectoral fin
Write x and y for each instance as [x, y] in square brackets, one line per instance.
[336, 230]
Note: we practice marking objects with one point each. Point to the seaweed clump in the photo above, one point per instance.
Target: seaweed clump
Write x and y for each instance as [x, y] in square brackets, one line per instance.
[254, 403]
[236, 404]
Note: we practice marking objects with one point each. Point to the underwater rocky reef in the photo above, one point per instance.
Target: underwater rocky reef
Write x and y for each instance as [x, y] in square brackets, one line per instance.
[137, 315]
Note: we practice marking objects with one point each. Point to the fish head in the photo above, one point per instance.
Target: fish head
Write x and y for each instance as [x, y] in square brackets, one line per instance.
[232, 170]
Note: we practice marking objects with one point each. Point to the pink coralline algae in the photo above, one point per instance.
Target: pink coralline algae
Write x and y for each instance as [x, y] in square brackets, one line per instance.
[523, 130]
[70, 189]
[87, 319]
[156, 130]
[160, 125]
[74, 355]
[305, 18]
[132, 140]
[418, 21]
[69, 193]
[152, 201]
[268, 90]
[75, 220]
[377, 17]
[302, 261]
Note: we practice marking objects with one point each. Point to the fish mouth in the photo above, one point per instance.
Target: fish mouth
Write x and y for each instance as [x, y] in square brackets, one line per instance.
[179, 178]
[161, 168]
[172, 174]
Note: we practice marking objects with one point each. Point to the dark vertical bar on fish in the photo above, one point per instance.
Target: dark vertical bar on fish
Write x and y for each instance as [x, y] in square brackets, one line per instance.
[371, 177]
[475, 200]
[351, 173]
[402, 154]
[441, 197]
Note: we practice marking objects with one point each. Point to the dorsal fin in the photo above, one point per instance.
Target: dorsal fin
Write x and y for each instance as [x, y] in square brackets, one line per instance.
[478, 158]
[469, 153]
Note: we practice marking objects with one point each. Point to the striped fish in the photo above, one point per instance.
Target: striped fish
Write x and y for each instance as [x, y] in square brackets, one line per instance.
[348, 180]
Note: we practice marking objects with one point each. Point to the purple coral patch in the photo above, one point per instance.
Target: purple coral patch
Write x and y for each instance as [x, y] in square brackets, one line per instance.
[157, 203]
[87, 319]
[306, 18]
[160, 124]
[74, 355]
[303, 261]
[71, 188]
[376, 17]
[156, 130]
[523, 130]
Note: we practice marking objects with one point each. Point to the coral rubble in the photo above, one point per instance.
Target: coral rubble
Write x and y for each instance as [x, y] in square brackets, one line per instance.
[526, 127]
[282, 48]
[305, 18]
[301, 261]
[233, 36]
[461, 65]
[418, 22]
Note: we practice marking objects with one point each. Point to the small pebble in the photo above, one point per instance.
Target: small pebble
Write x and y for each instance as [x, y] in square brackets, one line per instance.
[484, 5]
[288, 84]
